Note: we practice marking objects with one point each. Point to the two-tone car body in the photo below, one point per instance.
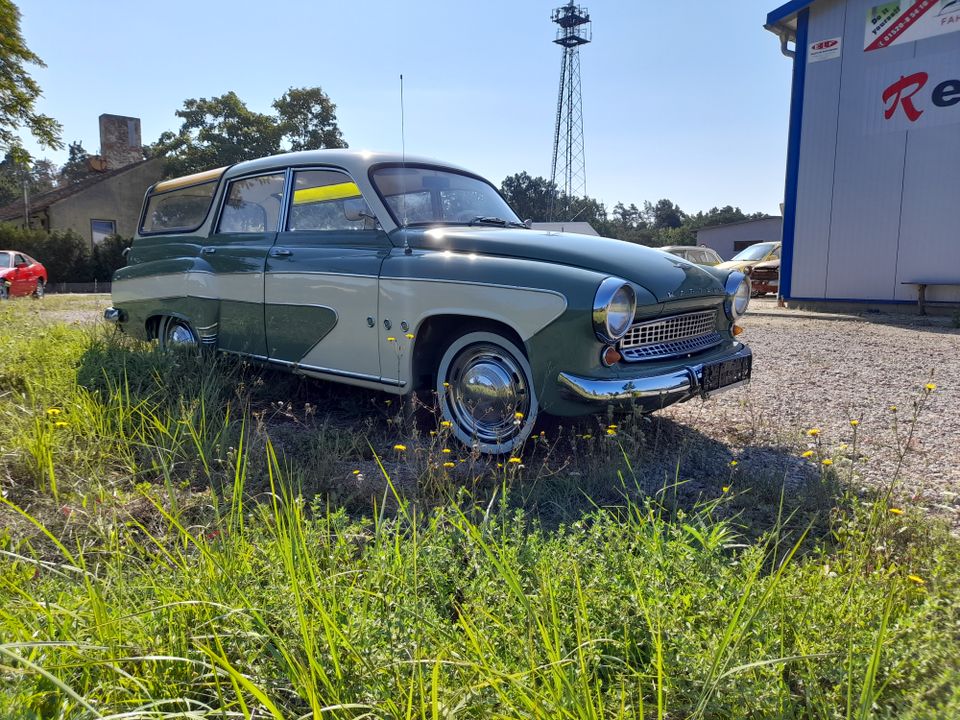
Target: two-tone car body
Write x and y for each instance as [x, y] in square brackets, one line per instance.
[403, 274]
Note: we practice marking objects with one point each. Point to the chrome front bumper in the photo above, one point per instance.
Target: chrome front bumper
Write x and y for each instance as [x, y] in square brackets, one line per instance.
[675, 386]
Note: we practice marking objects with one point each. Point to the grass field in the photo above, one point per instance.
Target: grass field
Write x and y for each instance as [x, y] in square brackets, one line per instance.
[185, 536]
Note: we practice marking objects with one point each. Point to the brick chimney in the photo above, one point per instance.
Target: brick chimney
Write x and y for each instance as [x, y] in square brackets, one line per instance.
[120, 141]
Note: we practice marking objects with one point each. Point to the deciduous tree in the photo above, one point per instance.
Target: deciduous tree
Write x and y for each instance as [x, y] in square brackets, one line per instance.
[18, 90]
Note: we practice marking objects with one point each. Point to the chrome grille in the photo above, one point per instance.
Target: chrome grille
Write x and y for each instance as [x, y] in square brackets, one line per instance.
[671, 336]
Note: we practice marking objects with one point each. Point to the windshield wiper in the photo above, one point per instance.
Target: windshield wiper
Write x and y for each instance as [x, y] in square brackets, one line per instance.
[493, 220]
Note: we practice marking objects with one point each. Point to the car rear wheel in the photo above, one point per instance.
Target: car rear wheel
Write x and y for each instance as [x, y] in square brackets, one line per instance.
[174, 332]
[485, 390]
[38, 291]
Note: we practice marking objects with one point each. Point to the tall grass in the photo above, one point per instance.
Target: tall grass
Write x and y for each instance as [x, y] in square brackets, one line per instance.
[161, 556]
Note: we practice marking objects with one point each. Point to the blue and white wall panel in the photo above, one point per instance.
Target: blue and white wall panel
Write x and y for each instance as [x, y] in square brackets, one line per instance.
[878, 201]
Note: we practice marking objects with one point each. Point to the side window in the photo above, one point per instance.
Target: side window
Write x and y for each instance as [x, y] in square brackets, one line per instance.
[252, 205]
[327, 200]
[20, 260]
[775, 255]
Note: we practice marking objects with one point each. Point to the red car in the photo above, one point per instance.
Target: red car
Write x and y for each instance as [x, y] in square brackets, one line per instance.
[20, 275]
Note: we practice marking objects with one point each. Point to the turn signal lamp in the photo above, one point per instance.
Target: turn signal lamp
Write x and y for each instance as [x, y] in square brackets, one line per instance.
[737, 330]
[610, 356]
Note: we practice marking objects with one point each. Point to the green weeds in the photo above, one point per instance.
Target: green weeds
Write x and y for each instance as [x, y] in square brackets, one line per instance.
[179, 541]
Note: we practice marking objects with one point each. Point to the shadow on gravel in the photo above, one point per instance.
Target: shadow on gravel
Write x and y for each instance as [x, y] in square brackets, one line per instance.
[331, 440]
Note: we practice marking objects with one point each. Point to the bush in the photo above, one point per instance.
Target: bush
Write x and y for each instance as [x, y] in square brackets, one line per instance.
[67, 255]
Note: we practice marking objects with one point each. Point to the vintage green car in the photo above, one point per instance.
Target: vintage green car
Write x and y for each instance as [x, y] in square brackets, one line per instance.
[403, 274]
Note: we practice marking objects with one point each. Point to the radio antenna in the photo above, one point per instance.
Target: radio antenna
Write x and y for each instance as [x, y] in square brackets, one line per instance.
[403, 164]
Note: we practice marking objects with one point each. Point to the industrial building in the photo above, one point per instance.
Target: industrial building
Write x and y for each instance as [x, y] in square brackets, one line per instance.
[730, 238]
[872, 186]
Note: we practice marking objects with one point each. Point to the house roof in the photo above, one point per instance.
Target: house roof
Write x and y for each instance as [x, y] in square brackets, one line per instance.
[44, 200]
[579, 228]
[784, 18]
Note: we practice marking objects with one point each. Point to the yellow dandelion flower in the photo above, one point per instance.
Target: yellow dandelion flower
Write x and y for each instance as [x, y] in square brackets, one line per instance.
[518, 416]
[854, 423]
[445, 423]
[432, 433]
[734, 463]
[61, 424]
[409, 336]
[808, 453]
[391, 339]
[446, 384]
[813, 432]
[726, 488]
[447, 451]
[827, 461]
[916, 579]
[514, 461]
[52, 412]
[842, 446]
[612, 427]
[399, 448]
[587, 436]
[896, 511]
[611, 432]
[356, 472]
[893, 408]
[930, 387]
[449, 464]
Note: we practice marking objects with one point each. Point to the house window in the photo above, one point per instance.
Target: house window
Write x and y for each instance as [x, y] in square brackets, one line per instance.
[739, 245]
[102, 229]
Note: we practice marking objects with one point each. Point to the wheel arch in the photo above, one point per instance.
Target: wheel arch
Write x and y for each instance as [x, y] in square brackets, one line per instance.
[436, 332]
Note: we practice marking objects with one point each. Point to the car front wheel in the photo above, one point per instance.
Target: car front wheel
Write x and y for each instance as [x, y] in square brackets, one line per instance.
[485, 389]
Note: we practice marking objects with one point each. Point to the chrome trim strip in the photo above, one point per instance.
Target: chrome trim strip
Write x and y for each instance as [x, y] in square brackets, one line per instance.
[325, 371]
[684, 382]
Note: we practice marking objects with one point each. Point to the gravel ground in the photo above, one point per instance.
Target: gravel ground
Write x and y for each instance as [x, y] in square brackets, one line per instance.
[815, 372]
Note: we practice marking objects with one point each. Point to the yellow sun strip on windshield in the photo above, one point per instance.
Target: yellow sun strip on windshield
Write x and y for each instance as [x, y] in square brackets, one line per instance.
[195, 179]
[326, 192]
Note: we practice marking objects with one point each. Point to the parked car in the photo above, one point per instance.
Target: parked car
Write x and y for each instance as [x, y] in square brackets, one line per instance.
[20, 274]
[403, 274]
[700, 255]
[751, 256]
[765, 277]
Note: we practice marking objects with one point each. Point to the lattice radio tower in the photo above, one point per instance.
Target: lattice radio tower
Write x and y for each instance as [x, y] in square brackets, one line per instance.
[568, 171]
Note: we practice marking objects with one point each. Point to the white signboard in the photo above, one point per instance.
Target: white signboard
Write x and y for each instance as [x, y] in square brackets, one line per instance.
[824, 50]
[895, 23]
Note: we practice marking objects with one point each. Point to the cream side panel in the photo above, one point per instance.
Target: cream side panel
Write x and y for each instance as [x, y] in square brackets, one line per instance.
[526, 310]
[244, 287]
[352, 344]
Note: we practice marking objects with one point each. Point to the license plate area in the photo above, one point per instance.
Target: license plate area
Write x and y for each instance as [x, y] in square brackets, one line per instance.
[724, 373]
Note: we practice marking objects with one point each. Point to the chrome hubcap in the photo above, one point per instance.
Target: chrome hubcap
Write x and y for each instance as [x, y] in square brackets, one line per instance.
[180, 335]
[487, 389]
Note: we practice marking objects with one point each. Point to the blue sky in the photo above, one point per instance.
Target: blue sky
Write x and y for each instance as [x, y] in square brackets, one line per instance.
[686, 100]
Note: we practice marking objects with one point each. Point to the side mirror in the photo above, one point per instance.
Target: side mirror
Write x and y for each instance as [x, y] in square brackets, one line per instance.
[528, 222]
[356, 208]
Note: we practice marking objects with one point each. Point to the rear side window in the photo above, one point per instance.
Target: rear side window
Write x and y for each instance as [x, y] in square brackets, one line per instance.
[252, 205]
[179, 210]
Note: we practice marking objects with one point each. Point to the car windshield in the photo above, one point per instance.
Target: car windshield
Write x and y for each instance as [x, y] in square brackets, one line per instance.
[754, 252]
[431, 196]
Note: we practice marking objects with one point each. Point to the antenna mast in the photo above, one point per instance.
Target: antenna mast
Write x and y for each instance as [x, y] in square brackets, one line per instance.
[568, 170]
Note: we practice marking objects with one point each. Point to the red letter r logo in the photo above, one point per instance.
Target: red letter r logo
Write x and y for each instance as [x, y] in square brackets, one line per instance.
[896, 91]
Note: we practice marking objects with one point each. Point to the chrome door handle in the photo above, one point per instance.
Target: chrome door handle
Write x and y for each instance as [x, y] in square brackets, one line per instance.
[280, 252]
[208, 250]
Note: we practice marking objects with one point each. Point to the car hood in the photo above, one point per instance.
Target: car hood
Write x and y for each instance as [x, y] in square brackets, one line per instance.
[768, 265]
[740, 265]
[667, 277]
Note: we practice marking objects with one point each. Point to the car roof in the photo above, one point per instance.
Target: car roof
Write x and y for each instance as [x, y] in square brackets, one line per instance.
[356, 162]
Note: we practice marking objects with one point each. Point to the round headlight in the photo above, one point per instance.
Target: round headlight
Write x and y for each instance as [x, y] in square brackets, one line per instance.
[613, 309]
[738, 295]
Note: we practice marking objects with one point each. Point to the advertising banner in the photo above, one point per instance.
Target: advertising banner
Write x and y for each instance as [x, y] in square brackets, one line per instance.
[895, 23]
[913, 94]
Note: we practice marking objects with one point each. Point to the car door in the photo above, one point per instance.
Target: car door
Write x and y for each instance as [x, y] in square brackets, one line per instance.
[322, 275]
[22, 278]
[236, 254]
